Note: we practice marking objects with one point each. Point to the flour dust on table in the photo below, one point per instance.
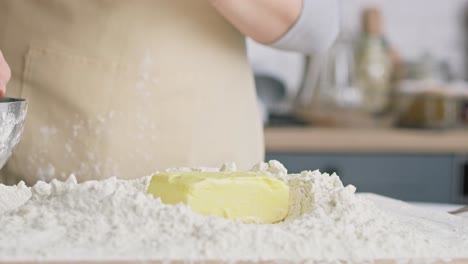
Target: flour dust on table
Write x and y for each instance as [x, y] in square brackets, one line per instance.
[117, 220]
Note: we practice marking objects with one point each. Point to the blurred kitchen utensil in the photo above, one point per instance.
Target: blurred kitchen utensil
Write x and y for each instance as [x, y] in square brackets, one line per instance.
[12, 116]
[283, 65]
[428, 68]
[341, 89]
[464, 112]
[460, 90]
[316, 98]
[459, 211]
[374, 63]
[270, 90]
[271, 96]
[328, 96]
[429, 104]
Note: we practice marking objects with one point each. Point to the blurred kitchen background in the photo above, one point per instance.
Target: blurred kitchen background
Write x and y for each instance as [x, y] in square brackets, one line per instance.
[386, 108]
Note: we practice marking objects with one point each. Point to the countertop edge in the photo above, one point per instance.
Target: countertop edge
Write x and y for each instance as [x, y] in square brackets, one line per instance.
[292, 139]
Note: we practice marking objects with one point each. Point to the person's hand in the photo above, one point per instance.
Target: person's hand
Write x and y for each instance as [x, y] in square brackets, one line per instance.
[5, 74]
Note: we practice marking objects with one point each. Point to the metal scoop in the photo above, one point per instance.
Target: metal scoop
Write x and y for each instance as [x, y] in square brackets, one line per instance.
[12, 117]
[460, 210]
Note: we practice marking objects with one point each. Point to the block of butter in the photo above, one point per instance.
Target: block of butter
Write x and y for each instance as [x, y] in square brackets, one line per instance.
[249, 197]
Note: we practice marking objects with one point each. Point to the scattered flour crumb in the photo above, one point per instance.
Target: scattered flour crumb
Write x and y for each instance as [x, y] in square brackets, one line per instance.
[229, 166]
[273, 167]
[48, 132]
[12, 197]
[46, 172]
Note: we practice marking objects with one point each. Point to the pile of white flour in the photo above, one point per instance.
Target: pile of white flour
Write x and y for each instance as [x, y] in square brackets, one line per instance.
[115, 219]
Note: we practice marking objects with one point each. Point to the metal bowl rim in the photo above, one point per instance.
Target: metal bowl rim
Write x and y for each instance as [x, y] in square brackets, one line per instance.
[6, 100]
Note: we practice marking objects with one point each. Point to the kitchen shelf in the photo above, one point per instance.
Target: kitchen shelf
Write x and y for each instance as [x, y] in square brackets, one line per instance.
[328, 140]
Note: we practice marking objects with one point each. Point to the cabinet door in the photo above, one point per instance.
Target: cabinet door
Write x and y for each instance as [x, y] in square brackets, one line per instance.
[425, 178]
[460, 183]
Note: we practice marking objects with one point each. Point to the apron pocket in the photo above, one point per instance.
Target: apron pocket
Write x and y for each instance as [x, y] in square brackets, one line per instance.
[67, 95]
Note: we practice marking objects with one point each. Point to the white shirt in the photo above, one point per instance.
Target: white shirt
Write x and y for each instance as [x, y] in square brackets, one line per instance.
[315, 30]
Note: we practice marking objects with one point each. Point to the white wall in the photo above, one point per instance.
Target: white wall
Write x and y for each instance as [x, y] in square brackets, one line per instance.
[412, 27]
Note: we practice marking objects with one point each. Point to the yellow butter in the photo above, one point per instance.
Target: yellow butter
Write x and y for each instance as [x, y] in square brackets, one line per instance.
[245, 196]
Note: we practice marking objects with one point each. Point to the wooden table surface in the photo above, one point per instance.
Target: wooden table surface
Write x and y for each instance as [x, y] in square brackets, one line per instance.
[304, 139]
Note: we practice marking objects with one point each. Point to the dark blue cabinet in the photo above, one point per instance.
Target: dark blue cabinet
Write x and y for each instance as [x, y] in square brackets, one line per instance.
[411, 177]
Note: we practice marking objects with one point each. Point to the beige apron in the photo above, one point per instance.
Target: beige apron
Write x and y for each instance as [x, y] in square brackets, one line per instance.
[124, 88]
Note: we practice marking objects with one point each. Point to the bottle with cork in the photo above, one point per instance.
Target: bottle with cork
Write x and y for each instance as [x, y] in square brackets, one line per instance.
[374, 64]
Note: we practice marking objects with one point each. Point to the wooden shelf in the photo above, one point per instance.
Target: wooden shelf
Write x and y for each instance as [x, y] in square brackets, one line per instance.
[289, 139]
